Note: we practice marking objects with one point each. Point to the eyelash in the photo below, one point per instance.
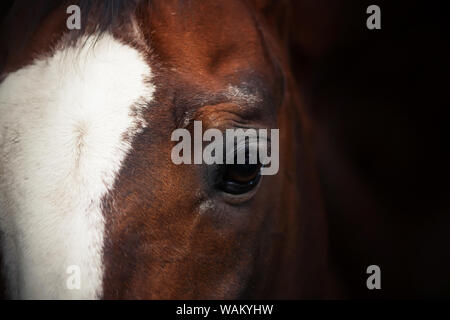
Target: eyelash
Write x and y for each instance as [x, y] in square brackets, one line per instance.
[237, 178]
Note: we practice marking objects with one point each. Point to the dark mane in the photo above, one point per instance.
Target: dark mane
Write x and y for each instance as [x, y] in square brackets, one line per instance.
[105, 13]
[97, 16]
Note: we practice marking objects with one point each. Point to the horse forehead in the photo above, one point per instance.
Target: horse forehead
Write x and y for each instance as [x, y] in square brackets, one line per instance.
[217, 37]
[67, 124]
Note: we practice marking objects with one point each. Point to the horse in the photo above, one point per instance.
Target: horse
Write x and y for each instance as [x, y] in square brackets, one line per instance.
[87, 187]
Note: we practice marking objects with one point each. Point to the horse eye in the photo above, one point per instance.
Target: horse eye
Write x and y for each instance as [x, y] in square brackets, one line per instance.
[239, 178]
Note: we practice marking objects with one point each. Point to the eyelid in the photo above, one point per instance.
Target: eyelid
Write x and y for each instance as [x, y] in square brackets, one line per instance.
[252, 144]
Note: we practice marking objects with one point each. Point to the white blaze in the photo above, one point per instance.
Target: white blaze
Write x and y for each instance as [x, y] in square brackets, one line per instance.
[62, 125]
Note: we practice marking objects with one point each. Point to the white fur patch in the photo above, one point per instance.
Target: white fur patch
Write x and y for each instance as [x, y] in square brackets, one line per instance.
[63, 120]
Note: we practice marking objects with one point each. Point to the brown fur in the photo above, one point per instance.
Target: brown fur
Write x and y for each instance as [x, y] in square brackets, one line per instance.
[169, 233]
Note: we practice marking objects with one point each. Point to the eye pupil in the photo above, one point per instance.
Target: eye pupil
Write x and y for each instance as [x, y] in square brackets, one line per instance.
[239, 178]
[241, 173]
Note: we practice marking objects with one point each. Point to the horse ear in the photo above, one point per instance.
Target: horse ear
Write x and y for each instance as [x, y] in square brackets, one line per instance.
[276, 13]
[263, 4]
